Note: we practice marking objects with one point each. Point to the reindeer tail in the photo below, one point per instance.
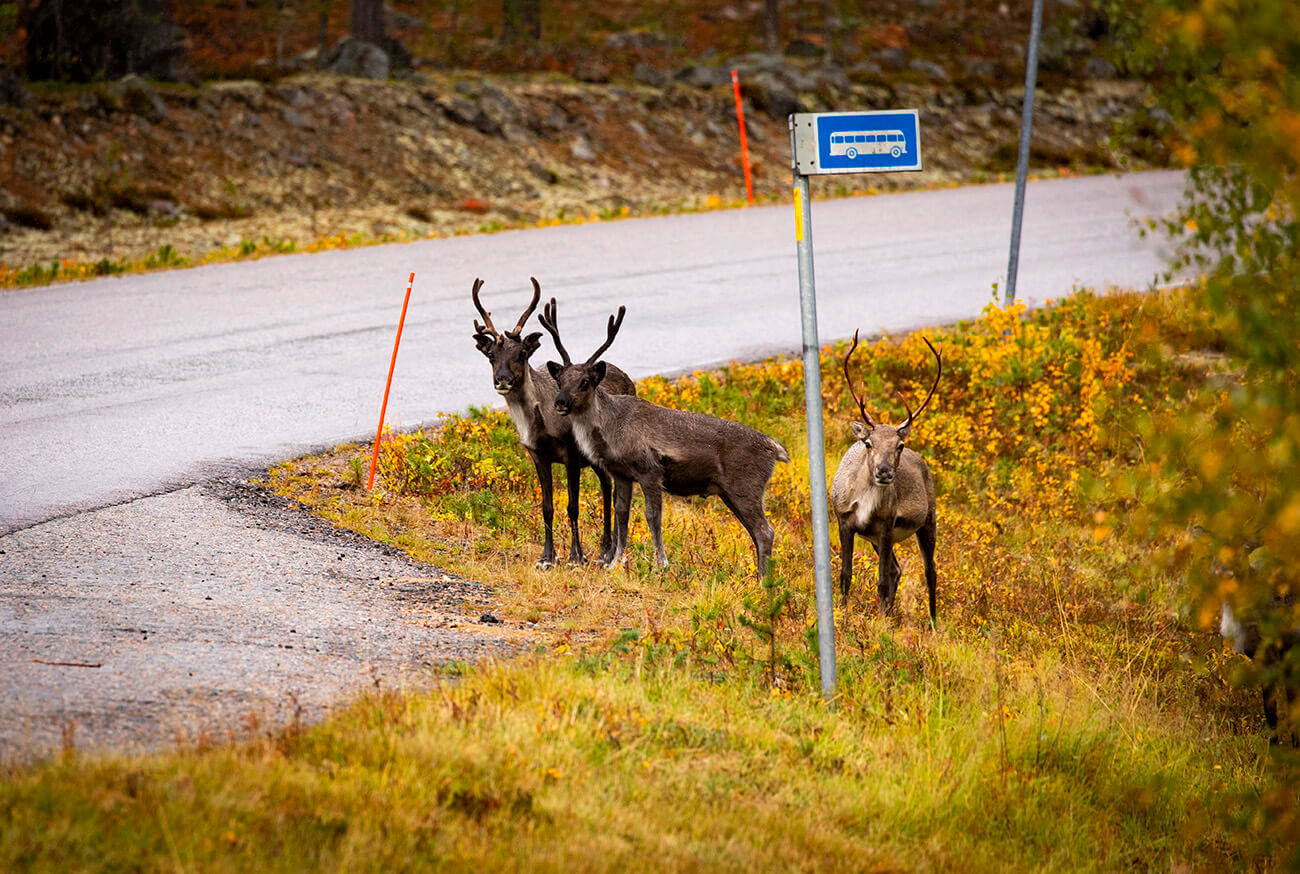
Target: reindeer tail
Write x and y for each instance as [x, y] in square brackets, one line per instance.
[781, 453]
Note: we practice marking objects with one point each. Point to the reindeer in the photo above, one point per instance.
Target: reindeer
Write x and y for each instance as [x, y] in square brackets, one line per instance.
[673, 451]
[883, 492]
[546, 437]
[1278, 683]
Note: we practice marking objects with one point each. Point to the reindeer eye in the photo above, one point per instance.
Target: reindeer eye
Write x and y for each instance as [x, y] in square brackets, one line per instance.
[867, 443]
[583, 384]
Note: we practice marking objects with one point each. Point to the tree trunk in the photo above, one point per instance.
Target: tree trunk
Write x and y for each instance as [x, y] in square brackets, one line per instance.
[772, 25]
[323, 34]
[368, 21]
[523, 21]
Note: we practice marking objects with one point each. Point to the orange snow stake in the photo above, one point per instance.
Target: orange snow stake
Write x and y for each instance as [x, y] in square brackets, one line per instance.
[744, 139]
[392, 365]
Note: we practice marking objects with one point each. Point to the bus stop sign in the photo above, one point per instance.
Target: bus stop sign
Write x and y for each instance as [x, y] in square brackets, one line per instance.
[856, 142]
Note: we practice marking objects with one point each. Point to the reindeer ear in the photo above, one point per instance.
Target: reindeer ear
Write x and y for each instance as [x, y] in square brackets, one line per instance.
[860, 431]
[532, 342]
[598, 372]
[484, 342]
[554, 368]
[904, 429]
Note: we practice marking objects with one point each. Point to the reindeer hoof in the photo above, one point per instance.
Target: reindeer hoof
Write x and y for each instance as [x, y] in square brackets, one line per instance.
[544, 564]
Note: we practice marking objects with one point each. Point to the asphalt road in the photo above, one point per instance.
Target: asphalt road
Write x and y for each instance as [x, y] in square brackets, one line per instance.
[132, 386]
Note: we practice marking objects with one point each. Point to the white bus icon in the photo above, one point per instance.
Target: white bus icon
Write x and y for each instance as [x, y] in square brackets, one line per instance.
[852, 143]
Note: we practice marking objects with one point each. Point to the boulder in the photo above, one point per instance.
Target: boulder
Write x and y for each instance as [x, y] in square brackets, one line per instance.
[769, 95]
[891, 58]
[699, 76]
[929, 69]
[649, 74]
[591, 70]
[137, 96]
[353, 57]
[1100, 68]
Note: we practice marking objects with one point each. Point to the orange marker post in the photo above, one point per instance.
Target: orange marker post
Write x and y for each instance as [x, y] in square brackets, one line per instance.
[744, 139]
[392, 365]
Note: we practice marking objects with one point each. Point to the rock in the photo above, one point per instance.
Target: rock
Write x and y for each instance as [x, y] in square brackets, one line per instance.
[308, 60]
[1100, 68]
[891, 58]
[297, 119]
[699, 76]
[832, 82]
[581, 149]
[981, 69]
[591, 70]
[550, 177]
[802, 48]
[498, 106]
[771, 96]
[648, 74]
[91, 103]
[797, 80]
[636, 40]
[12, 92]
[465, 112]
[252, 94]
[353, 57]
[137, 96]
[866, 71]
[928, 69]
[759, 62]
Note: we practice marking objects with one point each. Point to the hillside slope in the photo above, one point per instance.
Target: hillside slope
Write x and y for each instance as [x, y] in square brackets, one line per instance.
[118, 170]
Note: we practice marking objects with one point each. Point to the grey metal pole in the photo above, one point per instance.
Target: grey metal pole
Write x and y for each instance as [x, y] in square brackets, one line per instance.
[1022, 165]
[812, 392]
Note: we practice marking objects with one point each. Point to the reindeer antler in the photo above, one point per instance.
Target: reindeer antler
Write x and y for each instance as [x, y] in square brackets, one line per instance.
[911, 415]
[547, 318]
[489, 328]
[611, 332]
[848, 380]
[537, 295]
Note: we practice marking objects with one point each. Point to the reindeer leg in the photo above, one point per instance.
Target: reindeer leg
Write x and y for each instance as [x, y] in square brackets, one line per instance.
[925, 538]
[606, 499]
[652, 491]
[886, 585]
[750, 514]
[846, 560]
[573, 471]
[622, 510]
[547, 561]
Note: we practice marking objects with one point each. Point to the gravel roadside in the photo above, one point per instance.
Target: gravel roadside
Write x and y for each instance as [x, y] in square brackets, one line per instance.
[210, 613]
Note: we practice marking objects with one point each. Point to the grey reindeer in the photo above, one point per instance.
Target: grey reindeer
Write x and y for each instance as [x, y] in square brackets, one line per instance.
[883, 492]
[674, 451]
[546, 437]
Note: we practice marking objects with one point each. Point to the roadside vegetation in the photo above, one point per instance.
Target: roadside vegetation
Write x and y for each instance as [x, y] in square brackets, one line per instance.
[1066, 713]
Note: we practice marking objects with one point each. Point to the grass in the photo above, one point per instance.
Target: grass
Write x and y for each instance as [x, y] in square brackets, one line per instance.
[1061, 717]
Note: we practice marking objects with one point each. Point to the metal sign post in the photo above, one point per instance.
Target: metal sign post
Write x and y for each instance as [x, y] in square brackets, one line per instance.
[834, 142]
[1022, 160]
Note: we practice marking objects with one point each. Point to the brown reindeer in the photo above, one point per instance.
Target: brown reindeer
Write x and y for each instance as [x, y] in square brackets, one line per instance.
[884, 493]
[673, 451]
[546, 437]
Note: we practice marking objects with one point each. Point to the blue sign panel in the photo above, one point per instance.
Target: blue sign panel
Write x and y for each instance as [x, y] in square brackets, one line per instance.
[858, 142]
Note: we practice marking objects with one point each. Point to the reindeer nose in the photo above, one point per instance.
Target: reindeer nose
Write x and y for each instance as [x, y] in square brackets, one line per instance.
[562, 406]
[884, 477]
